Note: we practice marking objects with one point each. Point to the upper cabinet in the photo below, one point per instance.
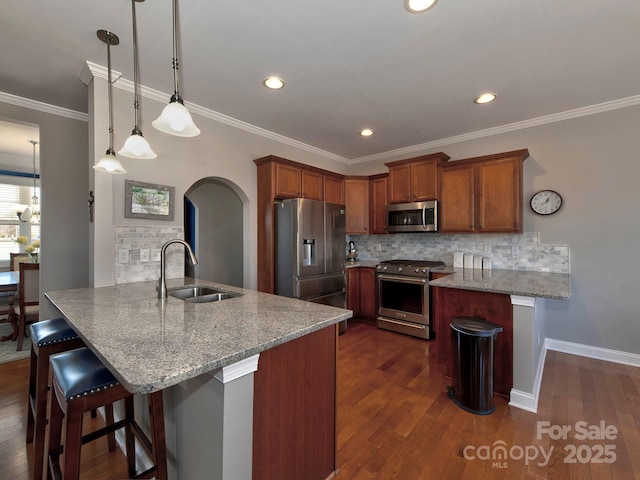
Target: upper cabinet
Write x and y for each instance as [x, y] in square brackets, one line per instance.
[378, 189]
[415, 179]
[296, 182]
[356, 201]
[482, 194]
[334, 189]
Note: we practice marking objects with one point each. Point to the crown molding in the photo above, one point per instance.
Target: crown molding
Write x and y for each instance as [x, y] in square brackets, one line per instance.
[91, 69]
[42, 107]
[533, 122]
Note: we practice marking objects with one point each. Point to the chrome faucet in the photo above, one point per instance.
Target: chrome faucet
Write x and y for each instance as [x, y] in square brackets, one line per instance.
[162, 285]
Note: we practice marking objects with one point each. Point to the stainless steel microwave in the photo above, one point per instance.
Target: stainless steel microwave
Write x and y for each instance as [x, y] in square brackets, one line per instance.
[413, 217]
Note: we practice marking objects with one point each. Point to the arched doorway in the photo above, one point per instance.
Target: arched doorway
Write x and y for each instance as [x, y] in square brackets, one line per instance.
[214, 227]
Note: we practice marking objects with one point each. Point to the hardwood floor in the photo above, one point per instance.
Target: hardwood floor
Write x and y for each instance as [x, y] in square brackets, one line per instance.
[396, 422]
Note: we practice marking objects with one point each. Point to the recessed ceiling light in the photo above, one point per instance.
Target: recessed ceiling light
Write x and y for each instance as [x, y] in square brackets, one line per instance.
[485, 98]
[274, 83]
[366, 132]
[419, 6]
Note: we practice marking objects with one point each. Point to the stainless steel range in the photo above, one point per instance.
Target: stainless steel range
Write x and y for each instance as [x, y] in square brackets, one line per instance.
[403, 290]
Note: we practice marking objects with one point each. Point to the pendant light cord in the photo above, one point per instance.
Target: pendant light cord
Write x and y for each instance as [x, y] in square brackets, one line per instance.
[110, 151]
[136, 88]
[176, 63]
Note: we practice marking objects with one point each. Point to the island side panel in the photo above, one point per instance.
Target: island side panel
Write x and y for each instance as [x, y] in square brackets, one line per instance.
[492, 307]
[294, 413]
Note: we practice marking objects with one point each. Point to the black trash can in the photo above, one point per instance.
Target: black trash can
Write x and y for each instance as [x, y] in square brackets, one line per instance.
[472, 345]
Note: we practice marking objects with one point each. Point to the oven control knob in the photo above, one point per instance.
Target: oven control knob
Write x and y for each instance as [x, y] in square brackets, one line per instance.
[399, 269]
[424, 270]
[417, 270]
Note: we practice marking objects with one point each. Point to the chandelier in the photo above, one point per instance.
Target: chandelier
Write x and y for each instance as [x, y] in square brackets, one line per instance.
[32, 212]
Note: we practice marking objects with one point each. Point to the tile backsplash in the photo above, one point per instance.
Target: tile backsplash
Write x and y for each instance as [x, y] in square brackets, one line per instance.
[129, 241]
[507, 251]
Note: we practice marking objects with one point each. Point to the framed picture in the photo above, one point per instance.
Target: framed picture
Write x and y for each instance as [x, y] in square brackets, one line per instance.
[149, 201]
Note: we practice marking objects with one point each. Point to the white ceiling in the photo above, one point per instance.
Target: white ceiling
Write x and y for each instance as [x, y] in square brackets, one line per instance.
[347, 64]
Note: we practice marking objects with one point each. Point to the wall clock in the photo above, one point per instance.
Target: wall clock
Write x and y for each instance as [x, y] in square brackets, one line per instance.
[546, 202]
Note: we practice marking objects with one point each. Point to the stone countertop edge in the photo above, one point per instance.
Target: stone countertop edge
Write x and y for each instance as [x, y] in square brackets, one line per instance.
[511, 282]
[363, 263]
[150, 344]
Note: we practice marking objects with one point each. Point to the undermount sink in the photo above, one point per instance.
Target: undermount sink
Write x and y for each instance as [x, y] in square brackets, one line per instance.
[201, 294]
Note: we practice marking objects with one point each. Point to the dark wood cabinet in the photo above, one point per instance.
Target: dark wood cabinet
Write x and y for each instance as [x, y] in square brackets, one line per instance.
[296, 182]
[294, 409]
[482, 194]
[492, 307]
[378, 186]
[362, 293]
[334, 190]
[415, 179]
[356, 201]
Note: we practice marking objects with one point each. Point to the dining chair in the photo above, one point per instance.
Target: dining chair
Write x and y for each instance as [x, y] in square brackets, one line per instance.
[26, 307]
[16, 259]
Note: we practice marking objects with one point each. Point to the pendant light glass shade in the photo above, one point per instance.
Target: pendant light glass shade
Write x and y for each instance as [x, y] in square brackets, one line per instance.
[136, 146]
[175, 119]
[32, 212]
[109, 163]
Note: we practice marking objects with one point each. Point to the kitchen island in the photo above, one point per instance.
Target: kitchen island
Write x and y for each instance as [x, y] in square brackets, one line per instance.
[512, 299]
[204, 355]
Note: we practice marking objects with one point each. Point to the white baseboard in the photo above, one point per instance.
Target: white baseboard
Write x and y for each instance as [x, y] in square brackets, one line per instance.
[597, 353]
[529, 401]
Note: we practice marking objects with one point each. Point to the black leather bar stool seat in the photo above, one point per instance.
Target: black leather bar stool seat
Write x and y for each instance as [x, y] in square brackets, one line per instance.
[48, 337]
[81, 382]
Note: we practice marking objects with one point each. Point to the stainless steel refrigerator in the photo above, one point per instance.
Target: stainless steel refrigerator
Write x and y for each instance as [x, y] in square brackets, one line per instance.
[310, 251]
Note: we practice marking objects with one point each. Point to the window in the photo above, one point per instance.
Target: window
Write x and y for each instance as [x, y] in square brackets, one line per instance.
[15, 191]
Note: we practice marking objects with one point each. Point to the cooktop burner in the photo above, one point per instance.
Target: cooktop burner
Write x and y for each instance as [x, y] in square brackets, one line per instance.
[411, 268]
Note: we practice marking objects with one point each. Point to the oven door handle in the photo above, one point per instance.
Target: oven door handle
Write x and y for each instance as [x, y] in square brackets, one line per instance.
[403, 279]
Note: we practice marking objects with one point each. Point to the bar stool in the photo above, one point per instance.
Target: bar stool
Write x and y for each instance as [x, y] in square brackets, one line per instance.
[81, 383]
[48, 337]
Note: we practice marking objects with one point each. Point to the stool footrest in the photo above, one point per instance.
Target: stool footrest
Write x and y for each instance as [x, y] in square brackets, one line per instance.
[101, 432]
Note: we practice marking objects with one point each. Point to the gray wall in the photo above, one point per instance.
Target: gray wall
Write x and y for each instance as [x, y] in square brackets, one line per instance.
[218, 232]
[64, 261]
[594, 162]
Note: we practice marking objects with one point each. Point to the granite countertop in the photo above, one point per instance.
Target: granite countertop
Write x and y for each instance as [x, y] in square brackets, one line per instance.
[150, 344]
[512, 282]
[362, 263]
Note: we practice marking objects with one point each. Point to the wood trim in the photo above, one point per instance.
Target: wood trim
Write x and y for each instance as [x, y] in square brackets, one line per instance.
[522, 154]
[272, 158]
[443, 157]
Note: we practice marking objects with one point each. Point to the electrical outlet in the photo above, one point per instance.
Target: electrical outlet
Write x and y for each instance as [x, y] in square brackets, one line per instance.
[514, 250]
[155, 255]
[123, 255]
[487, 249]
[144, 255]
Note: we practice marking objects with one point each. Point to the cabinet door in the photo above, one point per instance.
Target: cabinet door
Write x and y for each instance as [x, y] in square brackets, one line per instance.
[457, 207]
[312, 185]
[333, 190]
[378, 205]
[287, 181]
[368, 304]
[400, 183]
[353, 289]
[424, 180]
[356, 200]
[500, 195]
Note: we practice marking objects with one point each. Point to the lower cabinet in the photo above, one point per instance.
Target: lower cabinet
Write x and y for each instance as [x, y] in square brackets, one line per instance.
[294, 409]
[496, 308]
[362, 294]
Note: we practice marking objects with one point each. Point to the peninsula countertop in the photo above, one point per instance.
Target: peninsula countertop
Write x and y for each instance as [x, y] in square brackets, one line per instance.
[511, 282]
[150, 344]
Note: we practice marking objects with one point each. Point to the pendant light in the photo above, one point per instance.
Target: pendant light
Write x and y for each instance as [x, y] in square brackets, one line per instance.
[109, 163]
[32, 212]
[175, 119]
[136, 146]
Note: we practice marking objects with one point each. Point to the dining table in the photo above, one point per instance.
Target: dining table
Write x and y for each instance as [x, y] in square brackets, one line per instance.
[9, 282]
